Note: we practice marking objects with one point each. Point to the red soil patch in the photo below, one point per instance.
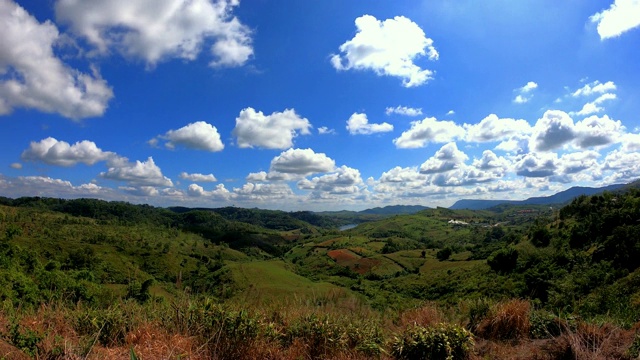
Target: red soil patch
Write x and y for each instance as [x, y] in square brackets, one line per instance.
[365, 265]
[343, 256]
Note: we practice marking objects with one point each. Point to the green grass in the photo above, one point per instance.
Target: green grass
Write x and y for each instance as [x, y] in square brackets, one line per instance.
[271, 281]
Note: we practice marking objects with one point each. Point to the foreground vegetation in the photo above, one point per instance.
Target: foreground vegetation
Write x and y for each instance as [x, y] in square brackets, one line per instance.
[92, 279]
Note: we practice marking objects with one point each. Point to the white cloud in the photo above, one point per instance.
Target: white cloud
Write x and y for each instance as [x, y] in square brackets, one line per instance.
[537, 165]
[491, 161]
[358, 124]
[630, 142]
[445, 159]
[198, 177]
[198, 135]
[552, 131]
[260, 176]
[387, 47]
[16, 166]
[429, 130]
[61, 153]
[220, 192]
[154, 30]
[520, 99]
[275, 131]
[450, 112]
[524, 93]
[140, 190]
[573, 163]
[598, 131]
[302, 162]
[404, 110]
[595, 87]
[323, 130]
[140, 173]
[344, 181]
[493, 128]
[263, 192]
[594, 106]
[625, 166]
[49, 187]
[33, 77]
[402, 175]
[622, 16]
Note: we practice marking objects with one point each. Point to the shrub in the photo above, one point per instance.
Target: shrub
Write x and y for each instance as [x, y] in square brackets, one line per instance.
[504, 260]
[545, 325]
[442, 341]
[444, 254]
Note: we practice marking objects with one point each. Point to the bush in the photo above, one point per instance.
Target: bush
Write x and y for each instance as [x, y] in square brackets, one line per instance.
[504, 260]
[444, 254]
[443, 341]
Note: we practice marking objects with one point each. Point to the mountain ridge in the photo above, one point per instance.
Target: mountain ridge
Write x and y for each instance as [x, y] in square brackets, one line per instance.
[558, 198]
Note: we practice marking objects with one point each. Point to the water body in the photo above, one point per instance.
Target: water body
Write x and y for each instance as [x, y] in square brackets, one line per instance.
[347, 227]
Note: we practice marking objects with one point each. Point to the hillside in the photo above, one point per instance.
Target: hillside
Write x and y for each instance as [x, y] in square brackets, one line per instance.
[118, 266]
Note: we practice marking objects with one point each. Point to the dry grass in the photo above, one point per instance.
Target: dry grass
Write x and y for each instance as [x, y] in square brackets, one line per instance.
[426, 315]
[506, 321]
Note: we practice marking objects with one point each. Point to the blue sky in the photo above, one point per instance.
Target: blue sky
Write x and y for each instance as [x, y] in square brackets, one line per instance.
[316, 105]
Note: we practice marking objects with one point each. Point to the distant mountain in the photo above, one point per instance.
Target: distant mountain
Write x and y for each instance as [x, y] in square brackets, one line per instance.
[394, 210]
[559, 198]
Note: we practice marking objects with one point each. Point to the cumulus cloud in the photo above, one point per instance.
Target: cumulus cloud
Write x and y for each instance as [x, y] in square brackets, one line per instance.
[404, 110]
[219, 192]
[49, 187]
[263, 192]
[622, 16]
[537, 165]
[61, 153]
[140, 173]
[387, 47]
[402, 175]
[445, 159]
[524, 93]
[493, 162]
[260, 176]
[358, 124]
[598, 131]
[343, 181]
[576, 162]
[33, 77]
[196, 177]
[594, 106]
[275, 131]
[154, 30]
[302, 162]
[630, 142]
[595, 87]
[429, 130]
[198, 135]
[493, 128]
[552, 131]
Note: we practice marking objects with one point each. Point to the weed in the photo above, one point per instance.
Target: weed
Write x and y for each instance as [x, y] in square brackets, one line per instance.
[442, 341]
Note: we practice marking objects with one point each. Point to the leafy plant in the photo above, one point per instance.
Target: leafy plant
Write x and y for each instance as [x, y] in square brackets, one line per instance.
[440, 342]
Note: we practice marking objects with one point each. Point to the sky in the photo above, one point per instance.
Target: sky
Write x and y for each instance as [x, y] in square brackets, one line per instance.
[317, 105]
